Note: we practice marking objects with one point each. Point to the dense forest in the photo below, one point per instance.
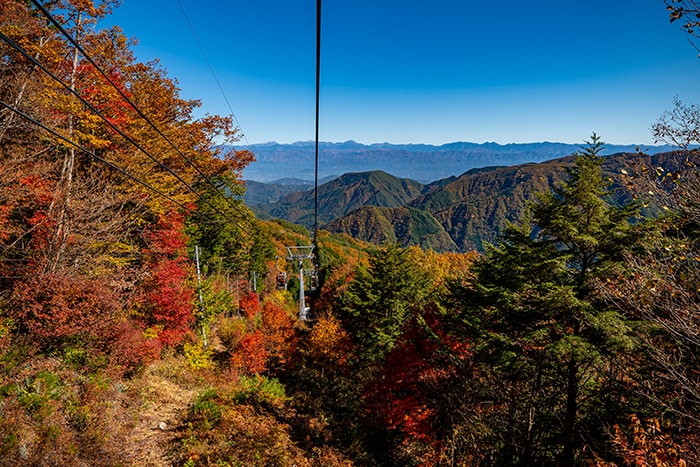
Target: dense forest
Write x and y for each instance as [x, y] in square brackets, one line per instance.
[147, 317]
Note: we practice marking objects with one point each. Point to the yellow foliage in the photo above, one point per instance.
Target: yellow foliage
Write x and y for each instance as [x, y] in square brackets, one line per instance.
[231, 331]
[443, 266]
[645, 443]
[153, 332]
[328, 339]
[197, 356]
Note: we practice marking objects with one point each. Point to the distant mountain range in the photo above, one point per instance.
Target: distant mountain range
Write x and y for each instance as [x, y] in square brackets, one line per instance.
[453, 214]
[422, 162]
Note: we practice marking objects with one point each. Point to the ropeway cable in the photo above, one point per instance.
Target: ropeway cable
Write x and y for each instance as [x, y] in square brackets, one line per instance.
[318, 92]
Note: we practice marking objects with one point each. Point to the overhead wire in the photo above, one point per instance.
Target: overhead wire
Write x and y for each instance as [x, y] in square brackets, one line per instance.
[126, 98]
[318, 93]
[93, 108]
[216, 79]
[93, 155]
[111, 165]
[211, 68]
[21, 50]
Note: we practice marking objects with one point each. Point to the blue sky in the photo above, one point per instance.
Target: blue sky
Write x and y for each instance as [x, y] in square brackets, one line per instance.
[430, 72]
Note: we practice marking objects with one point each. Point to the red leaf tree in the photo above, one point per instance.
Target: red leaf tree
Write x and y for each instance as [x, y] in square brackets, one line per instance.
[54, 307]
[406, 398]
[250, 357]
[250, 304]
[168, 293]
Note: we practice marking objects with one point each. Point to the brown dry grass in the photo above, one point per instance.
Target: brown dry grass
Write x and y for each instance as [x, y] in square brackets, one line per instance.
[166, 394]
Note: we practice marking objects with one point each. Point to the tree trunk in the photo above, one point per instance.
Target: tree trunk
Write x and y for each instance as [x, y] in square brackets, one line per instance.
[570, 416]
[66, 181]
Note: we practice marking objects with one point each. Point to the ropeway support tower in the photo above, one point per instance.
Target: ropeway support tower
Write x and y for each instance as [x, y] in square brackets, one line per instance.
[299, 254]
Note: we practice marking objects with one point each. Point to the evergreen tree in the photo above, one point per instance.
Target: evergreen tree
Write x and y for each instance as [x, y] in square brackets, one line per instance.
[226, 230]
[381, 298]
[538, 328]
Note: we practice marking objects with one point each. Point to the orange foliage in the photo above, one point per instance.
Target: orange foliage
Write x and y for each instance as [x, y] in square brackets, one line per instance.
[277, 330]
[442, 266]
[328, 341]
[647, 445]
[251, 355]
[53, 307]
[106, 99]
[250, 304]
[128, 348]
[269, 339]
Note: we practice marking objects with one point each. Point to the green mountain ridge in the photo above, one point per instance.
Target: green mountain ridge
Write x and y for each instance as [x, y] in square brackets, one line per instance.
[455, 214]
[341, 196]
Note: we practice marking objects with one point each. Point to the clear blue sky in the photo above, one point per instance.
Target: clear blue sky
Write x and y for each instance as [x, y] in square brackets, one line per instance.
[431, 72]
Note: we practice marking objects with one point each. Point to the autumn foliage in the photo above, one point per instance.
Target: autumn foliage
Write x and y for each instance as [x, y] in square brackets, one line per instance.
[645, 443]
[328, 342]
[56, 307]
[250, 304]
[250, 356]
[168, 294]
[59, 311]
[407, 397]
[261, 339]
[531, 354]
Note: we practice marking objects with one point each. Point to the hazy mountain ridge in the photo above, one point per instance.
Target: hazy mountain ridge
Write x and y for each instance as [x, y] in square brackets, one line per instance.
[257, 192]
[422, 162]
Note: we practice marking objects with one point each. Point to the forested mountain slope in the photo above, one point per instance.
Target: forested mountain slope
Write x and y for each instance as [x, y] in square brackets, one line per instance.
[342, 195]
[405, 226]
[471, 210]
[475, 208]
[147, 318]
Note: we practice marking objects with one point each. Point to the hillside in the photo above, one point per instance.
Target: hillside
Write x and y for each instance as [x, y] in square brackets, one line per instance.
[405, 226]
[470, 210]
[148, 318]
[476, 207]
[343, 195]
[456, 214]
[257, 193]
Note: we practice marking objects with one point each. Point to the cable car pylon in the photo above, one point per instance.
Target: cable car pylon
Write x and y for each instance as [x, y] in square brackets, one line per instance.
[299, 254]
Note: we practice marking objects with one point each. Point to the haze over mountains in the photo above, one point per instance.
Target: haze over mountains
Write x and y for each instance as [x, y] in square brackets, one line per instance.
[421, 162]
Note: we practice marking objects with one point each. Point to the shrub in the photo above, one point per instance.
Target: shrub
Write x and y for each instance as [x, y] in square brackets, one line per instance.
[197, 357]
[55, 307]
[250, 304]
[250, 357]
[206, 413]
[259, 390]
[231, 331]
